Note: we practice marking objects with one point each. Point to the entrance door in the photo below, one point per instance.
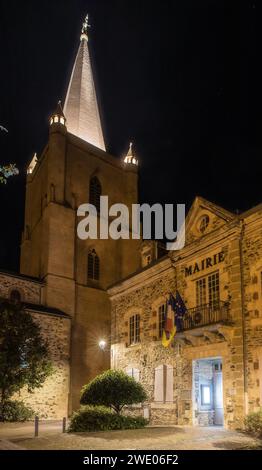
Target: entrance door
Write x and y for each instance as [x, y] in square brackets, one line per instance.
[208, 392]
[218, 394]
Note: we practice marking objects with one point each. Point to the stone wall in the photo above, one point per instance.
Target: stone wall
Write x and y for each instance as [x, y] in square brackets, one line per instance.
[252, 280]
[51, 400]
[30, 290]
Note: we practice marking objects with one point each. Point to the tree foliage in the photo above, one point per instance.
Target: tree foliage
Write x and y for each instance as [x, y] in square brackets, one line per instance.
[7, 171]
[24, 359]
[113, 389]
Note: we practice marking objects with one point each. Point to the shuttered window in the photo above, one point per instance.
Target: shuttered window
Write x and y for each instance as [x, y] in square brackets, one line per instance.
[164, 381]
[135, 373]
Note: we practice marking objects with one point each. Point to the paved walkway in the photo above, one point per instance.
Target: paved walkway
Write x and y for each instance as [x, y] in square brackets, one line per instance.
[162, 438]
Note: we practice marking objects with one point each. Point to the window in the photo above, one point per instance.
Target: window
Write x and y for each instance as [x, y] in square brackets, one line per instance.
[163, 387]
[95, 192]
[213, 289]
[207, 290]
[161, 319]
[205, 395]
[203, 223]
[134, 329]
[93, 266]
[15, 296]
[201, 292]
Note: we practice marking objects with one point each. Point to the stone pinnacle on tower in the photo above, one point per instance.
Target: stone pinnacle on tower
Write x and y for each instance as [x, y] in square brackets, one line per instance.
[81, 108]
[130, 158]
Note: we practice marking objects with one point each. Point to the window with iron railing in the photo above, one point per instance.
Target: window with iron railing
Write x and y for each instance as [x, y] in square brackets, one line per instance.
[207, 290]
[201, 291]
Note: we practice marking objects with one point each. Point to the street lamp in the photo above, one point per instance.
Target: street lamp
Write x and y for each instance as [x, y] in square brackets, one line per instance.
[102, 344]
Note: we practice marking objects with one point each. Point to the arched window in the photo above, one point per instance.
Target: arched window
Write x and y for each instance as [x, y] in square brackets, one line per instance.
[95, 192]
[15, 296]
[93, 269]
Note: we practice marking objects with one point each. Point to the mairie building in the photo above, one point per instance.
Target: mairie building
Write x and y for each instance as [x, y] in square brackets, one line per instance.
[82, 291]
[212, 372]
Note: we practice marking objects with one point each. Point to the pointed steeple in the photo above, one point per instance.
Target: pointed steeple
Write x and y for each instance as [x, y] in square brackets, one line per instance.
[81, 109]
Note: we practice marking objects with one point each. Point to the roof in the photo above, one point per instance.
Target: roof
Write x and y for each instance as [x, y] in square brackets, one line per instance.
[21, 276]
[45, 310]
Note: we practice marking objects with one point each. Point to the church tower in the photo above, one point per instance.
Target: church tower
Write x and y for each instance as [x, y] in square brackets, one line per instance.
[74, 169]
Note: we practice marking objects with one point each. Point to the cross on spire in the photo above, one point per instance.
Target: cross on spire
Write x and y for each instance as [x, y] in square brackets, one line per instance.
[86, 25]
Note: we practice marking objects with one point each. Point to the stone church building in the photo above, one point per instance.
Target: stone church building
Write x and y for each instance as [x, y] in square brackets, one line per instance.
[83, 291]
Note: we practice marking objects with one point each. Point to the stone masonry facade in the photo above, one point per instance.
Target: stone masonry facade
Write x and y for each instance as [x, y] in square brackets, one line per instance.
[225, 261]
[51, 400]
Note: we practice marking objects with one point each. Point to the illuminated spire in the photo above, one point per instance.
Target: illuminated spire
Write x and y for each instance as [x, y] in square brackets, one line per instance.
[130, 157]
[81, 109]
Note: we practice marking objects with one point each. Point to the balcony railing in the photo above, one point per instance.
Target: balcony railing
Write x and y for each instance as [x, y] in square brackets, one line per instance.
[208, 314]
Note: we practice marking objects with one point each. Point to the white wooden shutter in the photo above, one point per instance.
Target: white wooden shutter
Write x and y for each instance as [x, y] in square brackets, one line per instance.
[135, 373]
[129, 372]
[169, 398]
[159, 384]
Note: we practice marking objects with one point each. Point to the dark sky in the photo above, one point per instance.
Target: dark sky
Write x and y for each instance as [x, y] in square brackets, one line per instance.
[182, 79]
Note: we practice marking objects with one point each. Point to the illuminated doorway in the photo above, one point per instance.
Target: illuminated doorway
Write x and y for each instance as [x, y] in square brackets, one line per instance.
[208, 407]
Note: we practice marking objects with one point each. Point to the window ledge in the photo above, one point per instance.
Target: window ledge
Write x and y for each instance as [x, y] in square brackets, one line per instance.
[155, 404]
[133, 346]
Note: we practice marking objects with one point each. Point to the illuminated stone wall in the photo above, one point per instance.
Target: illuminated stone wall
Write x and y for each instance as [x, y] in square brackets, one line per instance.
[51, 400]
[238, 342]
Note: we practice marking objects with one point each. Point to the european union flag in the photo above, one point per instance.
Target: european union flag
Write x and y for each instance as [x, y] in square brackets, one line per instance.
[180, 310]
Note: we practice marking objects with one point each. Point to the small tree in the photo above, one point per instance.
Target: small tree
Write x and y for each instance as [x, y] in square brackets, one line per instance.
[7, 171]
[113, 389]
[23, 352]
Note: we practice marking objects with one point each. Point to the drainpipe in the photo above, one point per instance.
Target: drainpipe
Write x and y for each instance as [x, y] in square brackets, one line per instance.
[243, 317]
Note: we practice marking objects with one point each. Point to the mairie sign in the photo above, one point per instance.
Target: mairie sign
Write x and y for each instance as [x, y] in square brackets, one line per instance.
[204, 264]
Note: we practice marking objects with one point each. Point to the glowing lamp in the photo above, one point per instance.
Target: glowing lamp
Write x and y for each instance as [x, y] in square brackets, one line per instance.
[102, 344]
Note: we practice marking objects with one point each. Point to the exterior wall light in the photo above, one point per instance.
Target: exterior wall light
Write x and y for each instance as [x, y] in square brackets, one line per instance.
[102, 344]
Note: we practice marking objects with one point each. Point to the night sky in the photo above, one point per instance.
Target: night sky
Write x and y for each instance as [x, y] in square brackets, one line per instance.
[181, 79]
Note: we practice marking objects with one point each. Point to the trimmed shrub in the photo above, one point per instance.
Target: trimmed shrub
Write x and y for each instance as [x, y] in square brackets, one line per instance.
[15, 411]
[113, 389]
[99, 418]
[253, 423]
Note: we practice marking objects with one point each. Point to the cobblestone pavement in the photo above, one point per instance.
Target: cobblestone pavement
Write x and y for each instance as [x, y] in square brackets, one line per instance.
[162, 438]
